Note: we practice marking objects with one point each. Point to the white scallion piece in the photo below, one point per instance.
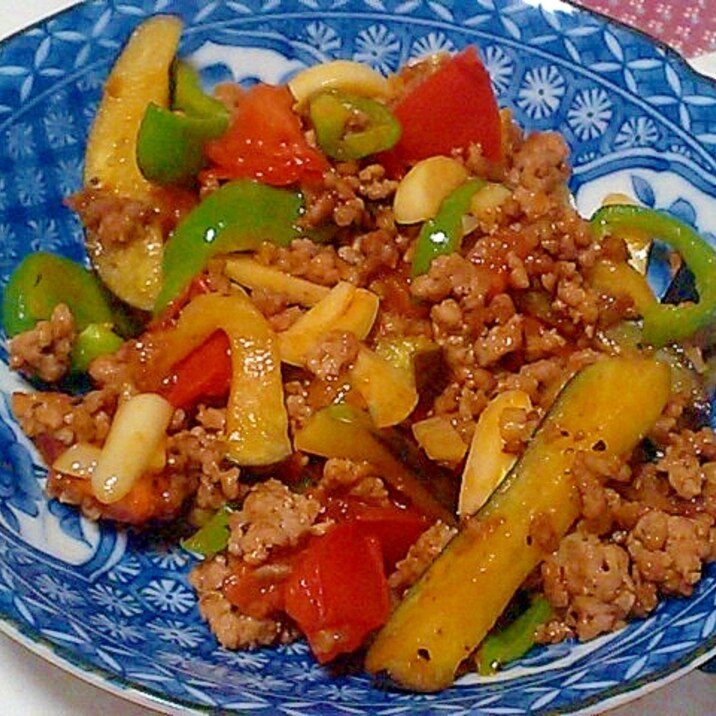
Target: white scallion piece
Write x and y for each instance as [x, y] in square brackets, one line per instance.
[137, 431]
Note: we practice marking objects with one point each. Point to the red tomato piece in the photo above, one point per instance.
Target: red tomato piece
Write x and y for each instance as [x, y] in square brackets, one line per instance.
[265, 142]
[338, 592]
[257, 593]
[451, 109]
[395, 527]
[204, 373]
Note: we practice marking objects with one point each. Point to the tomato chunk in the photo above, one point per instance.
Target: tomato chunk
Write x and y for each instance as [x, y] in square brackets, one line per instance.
[265, 142]
[338, 592]
[204, 373]
[451, 109]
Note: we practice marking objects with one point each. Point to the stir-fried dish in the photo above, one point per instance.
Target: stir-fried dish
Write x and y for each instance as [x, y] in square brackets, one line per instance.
[351, 333]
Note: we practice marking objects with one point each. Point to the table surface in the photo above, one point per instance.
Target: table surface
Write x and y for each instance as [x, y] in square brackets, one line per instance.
[31, 686]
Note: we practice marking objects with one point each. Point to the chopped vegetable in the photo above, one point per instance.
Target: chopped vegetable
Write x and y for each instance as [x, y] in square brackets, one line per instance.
[334, 115]
[322, 591]
[189, 97]
[170, 144]
[440, 440]
[346, 432]
[238, 216]
[254, 275]
[213, 537]
[609, 406]
[138, 428]
[344, 75]
[97, 339]
[487, 462]
[256, 420]
[389, 391]
[621, 278]
[451, 109]
[664, 323]
[443, 234]
[41, 282]
[515, 640]
[139, 77]
[204, 373]
[265, 142]
[338, 591]
[344, 308]
[422, 190]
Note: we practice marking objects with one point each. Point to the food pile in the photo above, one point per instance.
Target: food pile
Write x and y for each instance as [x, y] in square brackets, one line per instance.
[352, 332]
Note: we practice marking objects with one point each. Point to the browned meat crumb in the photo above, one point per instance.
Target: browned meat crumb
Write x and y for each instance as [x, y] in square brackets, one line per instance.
[271, 517]
[44, 351]
[420, 555]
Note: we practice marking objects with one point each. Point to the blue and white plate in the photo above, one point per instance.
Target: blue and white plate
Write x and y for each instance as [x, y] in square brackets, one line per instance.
[118, 610]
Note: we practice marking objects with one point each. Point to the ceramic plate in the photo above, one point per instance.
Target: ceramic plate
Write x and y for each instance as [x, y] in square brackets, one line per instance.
[118, 610]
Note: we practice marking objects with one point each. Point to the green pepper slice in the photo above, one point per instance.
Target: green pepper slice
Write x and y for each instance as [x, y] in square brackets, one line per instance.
[664, 323]
[442, 234]
[515, 640]
[190, 98]
[97, 339]
[170, 143]
[213, 537]
[332, 114]
[41, 282]
[238, 216]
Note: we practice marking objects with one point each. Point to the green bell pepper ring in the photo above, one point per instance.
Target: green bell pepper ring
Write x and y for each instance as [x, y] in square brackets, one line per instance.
[98, 339]
[442, 234]
[332, 114]
[515, 640]
[213, 537]
[170, 143]
[238, 216]
[664, 323]
[170, 146]
[41, 282]
[190, 98]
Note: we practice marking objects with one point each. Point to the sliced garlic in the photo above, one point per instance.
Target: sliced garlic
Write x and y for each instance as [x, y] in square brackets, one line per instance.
[487, 463]
[425, 186]
[352, 77]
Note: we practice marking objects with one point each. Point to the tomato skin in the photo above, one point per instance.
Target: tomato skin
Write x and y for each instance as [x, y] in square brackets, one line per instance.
[256, 593]
[395, 527]
[451, 109]
[338, 592]
[265, 142]
[204, 373]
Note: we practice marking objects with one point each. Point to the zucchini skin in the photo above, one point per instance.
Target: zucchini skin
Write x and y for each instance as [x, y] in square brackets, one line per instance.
[608, 407]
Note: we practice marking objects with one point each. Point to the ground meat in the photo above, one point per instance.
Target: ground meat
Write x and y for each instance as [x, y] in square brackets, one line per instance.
[540, 163]
[305, 258]
[669, 550]
[111, 219]
[590, 582]
[58, 417]
[233, 629]
[420, 556]
[354, 478]
[344, 195]
[198, 452]
[271, 517]
[44, 351]
[332, 354]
